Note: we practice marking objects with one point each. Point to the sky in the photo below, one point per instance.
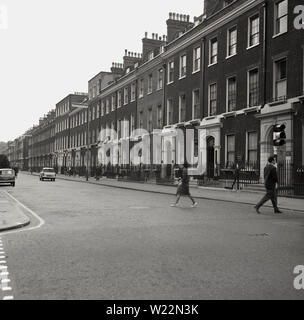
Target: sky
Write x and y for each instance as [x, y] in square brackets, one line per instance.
[51, 48]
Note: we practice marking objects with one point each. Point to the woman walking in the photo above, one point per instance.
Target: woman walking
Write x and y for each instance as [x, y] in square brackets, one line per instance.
[183, 187]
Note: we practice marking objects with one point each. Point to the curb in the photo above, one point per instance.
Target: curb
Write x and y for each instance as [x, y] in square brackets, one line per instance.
[16, 226]
[172, 194]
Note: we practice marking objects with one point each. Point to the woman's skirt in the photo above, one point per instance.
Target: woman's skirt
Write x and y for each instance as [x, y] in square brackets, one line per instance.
[183, 189]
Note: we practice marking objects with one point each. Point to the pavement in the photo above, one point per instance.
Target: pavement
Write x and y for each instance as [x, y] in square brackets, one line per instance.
[209, 193]
[11, 214]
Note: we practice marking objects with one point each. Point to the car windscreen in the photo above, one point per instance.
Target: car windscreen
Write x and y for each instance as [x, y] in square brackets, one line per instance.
[6, 172]
[48, 170]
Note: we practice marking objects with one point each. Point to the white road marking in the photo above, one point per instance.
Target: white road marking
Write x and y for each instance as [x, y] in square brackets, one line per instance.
[2, 274]
[7, 289]
[5, 280]
[2, 257]
[8, 298]
[41, 221]
[2, 262]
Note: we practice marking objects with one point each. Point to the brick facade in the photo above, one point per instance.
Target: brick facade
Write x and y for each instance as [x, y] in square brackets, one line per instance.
[229, 76]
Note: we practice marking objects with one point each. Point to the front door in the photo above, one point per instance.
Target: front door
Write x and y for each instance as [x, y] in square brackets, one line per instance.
[210, 157]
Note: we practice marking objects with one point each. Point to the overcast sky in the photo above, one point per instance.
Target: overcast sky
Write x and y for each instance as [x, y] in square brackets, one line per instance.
[51, 48]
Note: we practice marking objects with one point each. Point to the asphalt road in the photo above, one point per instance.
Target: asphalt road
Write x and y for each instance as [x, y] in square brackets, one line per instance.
[103, 243]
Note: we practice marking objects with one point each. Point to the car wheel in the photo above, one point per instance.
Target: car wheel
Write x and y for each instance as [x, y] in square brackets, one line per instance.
[13, 184]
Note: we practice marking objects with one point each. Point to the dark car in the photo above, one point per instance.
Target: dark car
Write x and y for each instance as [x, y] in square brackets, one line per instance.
[7, 176]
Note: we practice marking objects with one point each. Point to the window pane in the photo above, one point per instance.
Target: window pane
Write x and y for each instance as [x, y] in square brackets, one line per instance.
[282, 8]
[230, 143]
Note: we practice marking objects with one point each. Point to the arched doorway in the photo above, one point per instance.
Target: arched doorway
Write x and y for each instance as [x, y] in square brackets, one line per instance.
[210, 157]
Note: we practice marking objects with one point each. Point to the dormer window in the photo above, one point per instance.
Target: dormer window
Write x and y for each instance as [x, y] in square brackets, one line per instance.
[128, 70]
[150, 55]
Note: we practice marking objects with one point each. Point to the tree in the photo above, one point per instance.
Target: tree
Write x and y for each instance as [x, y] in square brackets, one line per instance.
[4, 163]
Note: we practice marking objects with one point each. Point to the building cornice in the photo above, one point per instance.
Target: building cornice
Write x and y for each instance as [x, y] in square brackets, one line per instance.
[210, 27]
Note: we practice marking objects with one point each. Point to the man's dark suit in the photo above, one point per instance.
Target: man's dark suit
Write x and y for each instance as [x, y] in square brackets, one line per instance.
[271, 179]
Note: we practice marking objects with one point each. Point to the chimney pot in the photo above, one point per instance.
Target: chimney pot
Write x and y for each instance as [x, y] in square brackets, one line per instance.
[188, 18]
[170, 15]
[173, 16]
[146, 34]
[177, 16]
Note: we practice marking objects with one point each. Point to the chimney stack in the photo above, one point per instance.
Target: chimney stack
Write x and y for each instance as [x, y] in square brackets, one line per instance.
[177, 24]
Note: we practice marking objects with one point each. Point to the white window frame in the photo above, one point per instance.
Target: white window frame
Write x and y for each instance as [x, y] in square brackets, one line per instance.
[160, 79]
[182, 66]
[159, 116]
[141, 88]
[275, 10]
[257, 15]
[102, 108]
[199, 49]
[150, 55]
[210, 52]
[168, 75]
[171, 105]
[209, 98]
[180, 108]
[150, 84]
[108, 106]
[275, 61]
[112, 103]
[126, 96]
[119, 99]
[248, 82]
[133, 92]
[199, 93]
[228, 41]
[226, 147]
[247, 144]
[227, 93]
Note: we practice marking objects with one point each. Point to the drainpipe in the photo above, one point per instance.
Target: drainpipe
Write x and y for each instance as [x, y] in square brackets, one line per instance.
[264, 53]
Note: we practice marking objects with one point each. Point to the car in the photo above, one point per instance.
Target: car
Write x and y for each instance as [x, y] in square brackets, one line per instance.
[7, 176]
[47, 173]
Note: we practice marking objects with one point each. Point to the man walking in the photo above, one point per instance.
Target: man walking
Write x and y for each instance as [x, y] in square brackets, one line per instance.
[236, 178]
[271, 180]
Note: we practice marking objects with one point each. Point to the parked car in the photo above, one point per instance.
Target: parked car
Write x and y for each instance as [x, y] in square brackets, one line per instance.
[7, 176]
[47, 173]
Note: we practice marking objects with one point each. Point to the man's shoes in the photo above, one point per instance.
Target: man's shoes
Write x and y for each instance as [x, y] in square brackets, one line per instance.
[278, 211]
[257, 209]
[194, 205]
[174, 205]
